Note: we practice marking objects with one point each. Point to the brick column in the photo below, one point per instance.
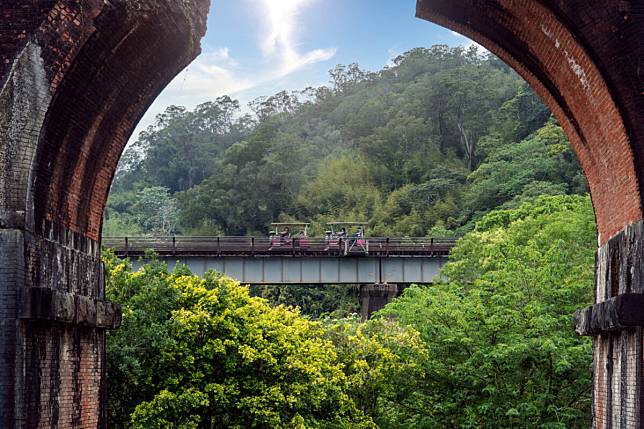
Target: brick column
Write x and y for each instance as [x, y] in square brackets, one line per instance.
[616, 322]
[12, 269]
[55, 321]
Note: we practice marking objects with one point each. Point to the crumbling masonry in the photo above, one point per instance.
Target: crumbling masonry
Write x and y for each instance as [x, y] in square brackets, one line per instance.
[75, 78]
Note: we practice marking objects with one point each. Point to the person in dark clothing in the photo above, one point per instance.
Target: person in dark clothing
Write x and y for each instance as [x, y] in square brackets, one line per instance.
[285, 232]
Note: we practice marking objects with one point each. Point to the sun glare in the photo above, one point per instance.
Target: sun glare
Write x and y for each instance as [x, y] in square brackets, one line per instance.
[281, 20]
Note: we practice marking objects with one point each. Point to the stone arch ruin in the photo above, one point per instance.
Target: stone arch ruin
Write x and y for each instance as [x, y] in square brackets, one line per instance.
[77, 75]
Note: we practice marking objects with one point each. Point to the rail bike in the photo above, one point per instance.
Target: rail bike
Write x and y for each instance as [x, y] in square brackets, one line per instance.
[347, 238]
[289, 236]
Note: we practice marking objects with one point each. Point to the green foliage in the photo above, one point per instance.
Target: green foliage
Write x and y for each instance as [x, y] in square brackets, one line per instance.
[201, 353]
[501, 351]
[176, 151]
[493, 348]
[394, 148]
[343, 189]
[315, 301]
[385, 363]
[541, 164]
[151, 210]
[134, 367]
[442, 142]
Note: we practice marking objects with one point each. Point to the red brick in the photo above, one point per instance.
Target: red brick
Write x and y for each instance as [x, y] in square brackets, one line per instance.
[586, 75]
[584, 58]
[89, 69]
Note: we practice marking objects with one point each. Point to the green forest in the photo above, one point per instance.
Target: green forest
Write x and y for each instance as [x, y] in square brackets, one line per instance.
[441, 142]
[425, 146]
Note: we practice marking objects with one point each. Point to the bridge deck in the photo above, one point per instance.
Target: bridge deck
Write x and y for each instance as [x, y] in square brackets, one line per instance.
[274, 246]
[313, 269]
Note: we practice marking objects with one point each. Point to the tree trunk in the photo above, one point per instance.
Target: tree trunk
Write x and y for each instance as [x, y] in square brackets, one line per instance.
[468, 144]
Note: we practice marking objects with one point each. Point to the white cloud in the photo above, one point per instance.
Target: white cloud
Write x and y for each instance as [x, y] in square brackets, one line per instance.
[213, 74]
[216, 72]
[278, 42]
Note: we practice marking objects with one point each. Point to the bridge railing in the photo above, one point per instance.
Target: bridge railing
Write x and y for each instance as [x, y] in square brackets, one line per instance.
[251, 246]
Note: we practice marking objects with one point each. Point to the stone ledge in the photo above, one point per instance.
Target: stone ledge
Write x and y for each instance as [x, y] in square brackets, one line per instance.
[46, 304]
[12, 219]
[620, 312]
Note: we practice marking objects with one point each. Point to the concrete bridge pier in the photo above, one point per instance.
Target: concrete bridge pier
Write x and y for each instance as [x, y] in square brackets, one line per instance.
[374, 297]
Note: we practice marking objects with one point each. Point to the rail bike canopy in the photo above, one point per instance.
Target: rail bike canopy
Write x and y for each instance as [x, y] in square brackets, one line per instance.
[343, 223]
[301, 228]
[285, 246]
[336, 227]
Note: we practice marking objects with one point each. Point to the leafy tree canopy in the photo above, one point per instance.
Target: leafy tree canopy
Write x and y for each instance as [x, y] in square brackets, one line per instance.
[201, 353]
[492, 348]
[427, 145]
[501, 350]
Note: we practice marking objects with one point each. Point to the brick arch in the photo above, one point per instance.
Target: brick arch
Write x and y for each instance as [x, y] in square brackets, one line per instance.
[75, 78]
[585, 58]
[551, 44]
[100, 97]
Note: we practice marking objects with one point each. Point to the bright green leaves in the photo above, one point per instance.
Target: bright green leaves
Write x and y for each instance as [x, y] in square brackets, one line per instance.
[493, 348]
[499, 339]
[515, 172]
[383, 362]
[202, 353]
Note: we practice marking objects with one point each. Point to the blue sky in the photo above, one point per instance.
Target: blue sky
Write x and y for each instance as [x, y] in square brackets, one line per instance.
[260, 47]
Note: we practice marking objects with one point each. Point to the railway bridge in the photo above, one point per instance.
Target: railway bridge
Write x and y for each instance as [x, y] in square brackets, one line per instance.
[382, 266]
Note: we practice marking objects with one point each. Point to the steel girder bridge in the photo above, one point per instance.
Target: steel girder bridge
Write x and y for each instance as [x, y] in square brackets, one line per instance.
[304, 260]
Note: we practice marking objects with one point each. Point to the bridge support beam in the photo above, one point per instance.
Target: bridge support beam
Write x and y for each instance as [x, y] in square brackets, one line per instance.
[374, 297]
[616, 322]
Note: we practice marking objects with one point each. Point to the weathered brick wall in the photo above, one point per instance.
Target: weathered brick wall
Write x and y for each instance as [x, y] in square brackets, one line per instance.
[616, 322]
[75, 77]
[585, 58]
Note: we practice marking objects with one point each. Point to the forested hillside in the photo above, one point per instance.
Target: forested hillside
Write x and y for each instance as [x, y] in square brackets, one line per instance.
[424, 146]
